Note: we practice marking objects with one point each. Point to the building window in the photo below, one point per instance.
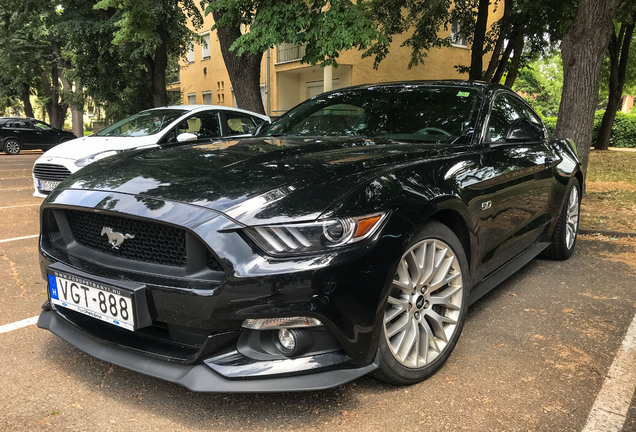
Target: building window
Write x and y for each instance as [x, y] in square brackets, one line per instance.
[457, 37]
[205, 48]
[192, 99]
[190, 53]
[207, 97]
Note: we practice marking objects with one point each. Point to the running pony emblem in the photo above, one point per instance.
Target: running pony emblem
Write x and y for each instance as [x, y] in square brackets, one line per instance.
[115, 239]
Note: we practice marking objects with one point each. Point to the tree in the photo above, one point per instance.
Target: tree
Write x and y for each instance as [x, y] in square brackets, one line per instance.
[618, 50]
[24, 41]
[327, 28]
[111, 75]
[152, 30]
[582, 51]
[541, 82]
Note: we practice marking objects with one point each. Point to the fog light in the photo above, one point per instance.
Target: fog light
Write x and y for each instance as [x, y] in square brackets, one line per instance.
[287, 341]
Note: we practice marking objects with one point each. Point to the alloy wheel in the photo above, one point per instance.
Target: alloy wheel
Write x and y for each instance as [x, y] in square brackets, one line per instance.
[572, 217]
[424, 305]
[12, 147]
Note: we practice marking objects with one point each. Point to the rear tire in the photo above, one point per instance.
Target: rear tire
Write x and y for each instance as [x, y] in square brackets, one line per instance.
[425, 308]
[567, 227]
[12, 146]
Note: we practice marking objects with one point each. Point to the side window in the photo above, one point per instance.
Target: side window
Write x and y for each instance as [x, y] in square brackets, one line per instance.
[41, 126]
[238, 124]
[204, 125]
[529, 115]
[502, 116]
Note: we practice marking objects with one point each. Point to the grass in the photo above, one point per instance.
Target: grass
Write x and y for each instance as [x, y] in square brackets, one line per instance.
[614, 166]
[610, 200]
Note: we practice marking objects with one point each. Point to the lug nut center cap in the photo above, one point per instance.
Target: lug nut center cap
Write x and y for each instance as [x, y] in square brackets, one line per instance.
[421, 302]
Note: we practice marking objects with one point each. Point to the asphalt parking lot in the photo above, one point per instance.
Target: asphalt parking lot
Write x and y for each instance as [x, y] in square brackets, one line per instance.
[551, 349]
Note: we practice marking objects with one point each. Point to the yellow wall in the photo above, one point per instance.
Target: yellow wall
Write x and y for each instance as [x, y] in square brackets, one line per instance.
[290, 82]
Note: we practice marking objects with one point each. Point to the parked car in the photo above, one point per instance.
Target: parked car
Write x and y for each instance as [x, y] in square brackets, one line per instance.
[349, 237]
[18, 134]
[151, 127]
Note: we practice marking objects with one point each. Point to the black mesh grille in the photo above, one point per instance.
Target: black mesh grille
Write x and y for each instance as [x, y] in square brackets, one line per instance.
[50, 172]
[152, 242]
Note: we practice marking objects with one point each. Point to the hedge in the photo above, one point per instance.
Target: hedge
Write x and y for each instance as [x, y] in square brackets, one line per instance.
[623, 130]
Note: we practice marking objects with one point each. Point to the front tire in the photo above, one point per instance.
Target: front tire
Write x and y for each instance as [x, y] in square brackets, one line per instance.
[425, 308]
[567, 227]
[12, 146]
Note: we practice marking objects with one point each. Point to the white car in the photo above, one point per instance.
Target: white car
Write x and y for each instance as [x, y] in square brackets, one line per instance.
[148, 128]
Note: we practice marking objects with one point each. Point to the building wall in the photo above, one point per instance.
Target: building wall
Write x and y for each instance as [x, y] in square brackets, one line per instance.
[292, 82]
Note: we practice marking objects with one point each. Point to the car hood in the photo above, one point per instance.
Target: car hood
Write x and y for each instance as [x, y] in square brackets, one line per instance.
[90, 145]
[254, 180]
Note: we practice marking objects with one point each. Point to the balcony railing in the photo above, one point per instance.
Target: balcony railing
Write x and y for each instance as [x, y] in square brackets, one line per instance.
[287, 52]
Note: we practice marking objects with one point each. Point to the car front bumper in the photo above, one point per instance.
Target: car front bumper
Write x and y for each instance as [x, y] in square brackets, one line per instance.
[199, 377]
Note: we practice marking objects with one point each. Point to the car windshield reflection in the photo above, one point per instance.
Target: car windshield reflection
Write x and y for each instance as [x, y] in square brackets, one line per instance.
[413, 114]
[142, 124]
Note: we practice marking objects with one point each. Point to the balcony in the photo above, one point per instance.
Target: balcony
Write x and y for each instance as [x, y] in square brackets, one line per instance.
[288, 52]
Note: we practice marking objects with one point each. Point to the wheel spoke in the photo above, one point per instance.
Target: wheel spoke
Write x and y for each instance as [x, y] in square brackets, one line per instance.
[402, 286]
[429, 263]
[449, 278]
[444, 298]
[398, 326]
[442, 271]
[414, 267]
[409, 340]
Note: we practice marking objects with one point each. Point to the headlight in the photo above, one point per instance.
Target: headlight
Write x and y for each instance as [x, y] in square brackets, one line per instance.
[92, 158]
[313, 237]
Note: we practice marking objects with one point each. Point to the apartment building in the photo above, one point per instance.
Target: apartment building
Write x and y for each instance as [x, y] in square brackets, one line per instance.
[285, 81]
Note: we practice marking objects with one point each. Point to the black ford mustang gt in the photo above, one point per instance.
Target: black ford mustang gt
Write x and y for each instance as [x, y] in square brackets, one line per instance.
[350, 236]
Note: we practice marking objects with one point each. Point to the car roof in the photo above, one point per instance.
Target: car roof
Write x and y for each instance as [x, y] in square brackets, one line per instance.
[190, 108]
[481, 85]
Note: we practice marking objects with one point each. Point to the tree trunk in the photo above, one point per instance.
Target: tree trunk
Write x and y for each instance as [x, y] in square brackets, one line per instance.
[77, 106]
[619, 53]
[513, 67]
[56, 110]
[477, 51]
[26, 100]
[582, 51]
[244, 70]
[77, 118]
[501, 38]
[503, 62]
[158, 70]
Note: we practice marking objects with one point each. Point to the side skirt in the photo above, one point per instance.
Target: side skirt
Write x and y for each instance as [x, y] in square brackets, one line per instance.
[511, 267]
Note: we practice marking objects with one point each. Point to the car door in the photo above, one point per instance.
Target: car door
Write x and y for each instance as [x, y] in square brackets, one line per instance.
[22, 130]
[518, 161]
[44, 135]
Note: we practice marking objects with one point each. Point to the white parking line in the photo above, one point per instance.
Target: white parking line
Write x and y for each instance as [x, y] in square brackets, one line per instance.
[19, 238]
[20, 205]
[14, 189]
[612, 403]
[18, 325]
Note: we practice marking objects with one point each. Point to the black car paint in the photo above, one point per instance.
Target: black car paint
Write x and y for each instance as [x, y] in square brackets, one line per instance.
[305, 179]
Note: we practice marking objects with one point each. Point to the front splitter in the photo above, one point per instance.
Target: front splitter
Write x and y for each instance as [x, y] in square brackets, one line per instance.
[198, 377]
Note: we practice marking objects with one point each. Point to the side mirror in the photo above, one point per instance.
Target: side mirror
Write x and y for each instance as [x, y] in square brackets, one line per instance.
[186, 136]
[260, 128]
[524, 130]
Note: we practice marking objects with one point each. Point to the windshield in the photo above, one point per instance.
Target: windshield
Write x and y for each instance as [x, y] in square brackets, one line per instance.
[142, 124]
[409, 113]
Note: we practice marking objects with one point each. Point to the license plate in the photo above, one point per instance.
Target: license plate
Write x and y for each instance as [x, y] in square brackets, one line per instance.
[47, 185]
[103, 302]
